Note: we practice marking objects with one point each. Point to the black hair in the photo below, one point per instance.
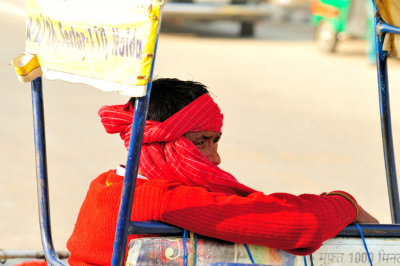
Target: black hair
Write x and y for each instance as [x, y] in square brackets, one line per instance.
[169, 95]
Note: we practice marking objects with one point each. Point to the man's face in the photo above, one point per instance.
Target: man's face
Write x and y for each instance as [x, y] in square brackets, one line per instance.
[207, 143]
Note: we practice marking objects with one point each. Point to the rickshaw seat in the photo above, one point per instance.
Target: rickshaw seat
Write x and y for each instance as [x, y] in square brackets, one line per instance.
[208, 251]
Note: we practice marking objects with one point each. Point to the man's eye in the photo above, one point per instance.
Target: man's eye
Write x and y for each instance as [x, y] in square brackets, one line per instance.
[216, 140]
[199, 143]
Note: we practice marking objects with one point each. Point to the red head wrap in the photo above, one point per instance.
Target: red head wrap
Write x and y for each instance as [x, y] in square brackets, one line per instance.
[166, 154]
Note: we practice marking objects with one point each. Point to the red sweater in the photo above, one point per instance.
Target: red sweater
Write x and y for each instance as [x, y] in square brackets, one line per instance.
[296, 224]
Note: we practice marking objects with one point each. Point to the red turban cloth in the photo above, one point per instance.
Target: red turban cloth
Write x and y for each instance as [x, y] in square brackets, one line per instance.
[167, 154]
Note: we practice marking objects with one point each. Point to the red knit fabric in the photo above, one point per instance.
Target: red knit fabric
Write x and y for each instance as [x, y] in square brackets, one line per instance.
[296, 224]
[166, 154]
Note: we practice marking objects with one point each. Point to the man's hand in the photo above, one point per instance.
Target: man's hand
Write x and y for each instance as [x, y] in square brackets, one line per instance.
[365, 218]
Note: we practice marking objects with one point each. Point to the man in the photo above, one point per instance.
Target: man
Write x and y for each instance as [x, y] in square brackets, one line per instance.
[181, 184]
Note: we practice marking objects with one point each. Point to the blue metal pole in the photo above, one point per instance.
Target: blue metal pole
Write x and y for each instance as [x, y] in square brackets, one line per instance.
[128, 189]
[41, 172]
[151, 227]
[384, 102]
[371, 230]
[383, 27]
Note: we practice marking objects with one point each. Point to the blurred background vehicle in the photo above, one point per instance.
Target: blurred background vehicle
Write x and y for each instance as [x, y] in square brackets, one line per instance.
[337, 20]
[246, 12]
[292, 4]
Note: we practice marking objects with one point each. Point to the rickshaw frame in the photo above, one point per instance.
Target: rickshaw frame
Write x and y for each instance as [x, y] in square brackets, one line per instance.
[126, 227]
[381, 28]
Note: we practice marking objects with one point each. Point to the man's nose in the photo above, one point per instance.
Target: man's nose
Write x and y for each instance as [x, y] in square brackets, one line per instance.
[213, 156]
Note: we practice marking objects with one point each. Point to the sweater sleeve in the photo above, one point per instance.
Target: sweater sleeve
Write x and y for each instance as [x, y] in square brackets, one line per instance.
[296, 224]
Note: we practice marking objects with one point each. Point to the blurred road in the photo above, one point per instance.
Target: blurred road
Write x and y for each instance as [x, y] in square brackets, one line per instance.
[296, 120]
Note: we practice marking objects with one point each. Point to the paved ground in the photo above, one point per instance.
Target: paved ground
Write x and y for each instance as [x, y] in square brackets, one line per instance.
[296, 121]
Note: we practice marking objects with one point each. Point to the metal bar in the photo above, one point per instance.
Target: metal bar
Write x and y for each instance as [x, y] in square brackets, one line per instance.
[371, 230]
[27, 254]
[128, 189]
[386, 127]
[386, 28]
[153, 228]
[41, 172]
[130, 179]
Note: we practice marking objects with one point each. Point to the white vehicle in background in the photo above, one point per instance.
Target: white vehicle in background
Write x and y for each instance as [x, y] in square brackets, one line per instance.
[246, 12]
